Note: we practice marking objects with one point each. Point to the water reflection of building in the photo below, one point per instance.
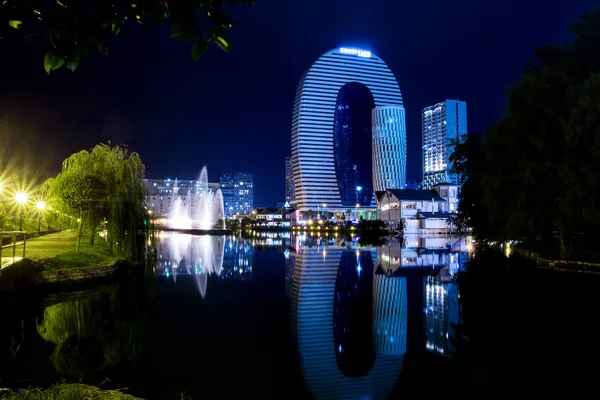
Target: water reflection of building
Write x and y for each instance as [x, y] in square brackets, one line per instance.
[203, 257]
[265, 240]
[237, 259]
[421, 252]
[323, 297]
[441, 312]
[290, 265]
[390, 306]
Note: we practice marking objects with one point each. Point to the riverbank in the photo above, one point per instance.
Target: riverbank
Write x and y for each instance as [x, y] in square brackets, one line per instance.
[53, 259]
[66, 391]
[559, 265]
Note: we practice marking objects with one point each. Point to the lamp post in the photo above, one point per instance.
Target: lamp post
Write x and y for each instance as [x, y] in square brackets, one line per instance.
[21, 198]
[357, 205]
[41, 206]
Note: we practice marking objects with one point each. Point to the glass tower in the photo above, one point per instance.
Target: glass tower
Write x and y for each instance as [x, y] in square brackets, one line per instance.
[238, 192]
[442, 123]
[389, 148]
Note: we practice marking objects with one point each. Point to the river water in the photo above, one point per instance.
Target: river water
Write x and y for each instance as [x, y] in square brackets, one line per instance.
[273, 315]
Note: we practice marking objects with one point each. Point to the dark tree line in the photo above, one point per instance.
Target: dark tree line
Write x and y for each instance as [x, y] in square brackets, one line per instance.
[535, 176]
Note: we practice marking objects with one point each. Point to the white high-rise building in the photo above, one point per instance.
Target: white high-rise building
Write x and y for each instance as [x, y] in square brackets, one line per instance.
[289, 180]
[389, 148]
[442, 123]
[332, 128]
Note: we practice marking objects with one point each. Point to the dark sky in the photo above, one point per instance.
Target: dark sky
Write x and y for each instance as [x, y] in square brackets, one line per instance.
[233, 112]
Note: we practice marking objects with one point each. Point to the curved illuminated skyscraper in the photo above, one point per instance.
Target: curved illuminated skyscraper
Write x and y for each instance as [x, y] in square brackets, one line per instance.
[332, 128]
[389, 148]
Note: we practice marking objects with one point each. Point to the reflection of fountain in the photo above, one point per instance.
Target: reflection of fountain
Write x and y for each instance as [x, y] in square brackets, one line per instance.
[198, 256]
[203, 258]
[198, 210]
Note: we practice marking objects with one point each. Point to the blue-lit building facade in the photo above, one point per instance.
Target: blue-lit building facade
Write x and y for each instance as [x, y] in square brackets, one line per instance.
[332, 158]
[238, 192]
[441, 124]
[389, 148]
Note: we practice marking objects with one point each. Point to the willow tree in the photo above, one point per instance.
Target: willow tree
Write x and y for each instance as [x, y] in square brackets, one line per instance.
[104, 184]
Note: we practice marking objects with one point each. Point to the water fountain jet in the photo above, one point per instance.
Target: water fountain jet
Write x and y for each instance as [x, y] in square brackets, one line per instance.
[200, 210]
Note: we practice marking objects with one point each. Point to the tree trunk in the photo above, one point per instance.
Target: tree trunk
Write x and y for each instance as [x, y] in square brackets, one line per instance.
[562, 248]
[93, 229]
[80, 230]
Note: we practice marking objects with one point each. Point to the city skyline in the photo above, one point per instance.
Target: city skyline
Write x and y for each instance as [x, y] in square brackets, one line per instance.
[188, 109]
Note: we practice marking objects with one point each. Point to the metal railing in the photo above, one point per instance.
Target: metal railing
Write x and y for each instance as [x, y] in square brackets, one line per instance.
[13, 236]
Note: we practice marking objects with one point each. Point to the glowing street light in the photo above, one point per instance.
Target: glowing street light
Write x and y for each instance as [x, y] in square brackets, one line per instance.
[21, 198]
[41, 206]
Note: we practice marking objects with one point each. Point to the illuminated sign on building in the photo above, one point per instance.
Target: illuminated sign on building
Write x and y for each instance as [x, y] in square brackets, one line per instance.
[356, 52]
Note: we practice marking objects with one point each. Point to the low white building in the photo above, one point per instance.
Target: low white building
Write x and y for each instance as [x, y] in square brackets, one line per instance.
[418, 211]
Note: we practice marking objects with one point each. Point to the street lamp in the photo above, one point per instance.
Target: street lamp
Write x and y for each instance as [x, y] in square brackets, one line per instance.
[21, 198]
[357, 205]
[40, 205]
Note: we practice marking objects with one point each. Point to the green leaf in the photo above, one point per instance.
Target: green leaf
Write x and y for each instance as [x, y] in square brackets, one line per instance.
[221, 40]
[72, 64]
[15, 23]
[155, 11]
[116, 28]
[52, 62]
[199, 48]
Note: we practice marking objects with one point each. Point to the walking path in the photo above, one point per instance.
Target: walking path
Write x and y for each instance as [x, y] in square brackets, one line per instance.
[46, 246]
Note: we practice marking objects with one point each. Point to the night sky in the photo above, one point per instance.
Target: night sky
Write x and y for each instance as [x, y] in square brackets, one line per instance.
[233, 112]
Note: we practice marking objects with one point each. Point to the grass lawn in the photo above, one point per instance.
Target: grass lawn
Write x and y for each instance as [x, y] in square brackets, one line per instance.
[97, 255]
[74, 391]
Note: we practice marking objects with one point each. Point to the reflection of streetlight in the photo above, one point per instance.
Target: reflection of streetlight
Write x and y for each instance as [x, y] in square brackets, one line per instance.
[21, 198]
[40, 205]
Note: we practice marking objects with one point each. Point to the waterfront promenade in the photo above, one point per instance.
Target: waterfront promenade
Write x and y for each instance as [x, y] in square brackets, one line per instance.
[46, 246]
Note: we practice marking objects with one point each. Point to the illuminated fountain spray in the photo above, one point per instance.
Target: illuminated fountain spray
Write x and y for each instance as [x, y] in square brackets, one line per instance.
[199, 256]
[198, 210]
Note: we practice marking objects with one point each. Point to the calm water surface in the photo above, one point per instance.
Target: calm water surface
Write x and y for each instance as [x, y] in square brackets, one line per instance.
[269, 316]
